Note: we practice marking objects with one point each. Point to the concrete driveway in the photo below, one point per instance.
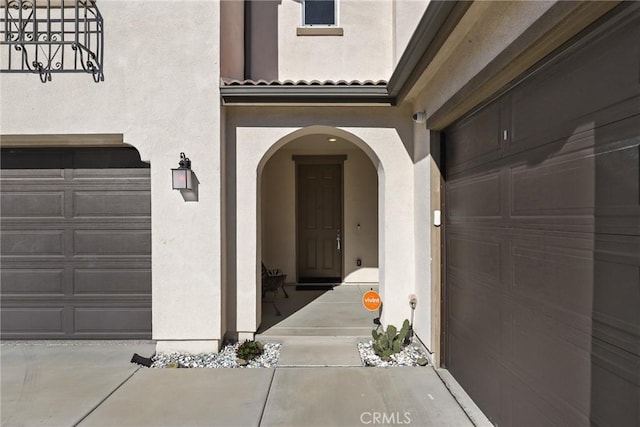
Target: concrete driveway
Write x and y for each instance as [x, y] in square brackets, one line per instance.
[94, 384]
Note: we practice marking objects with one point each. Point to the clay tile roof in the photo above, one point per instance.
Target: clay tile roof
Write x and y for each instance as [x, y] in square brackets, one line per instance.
[262, 82]
[261, 91]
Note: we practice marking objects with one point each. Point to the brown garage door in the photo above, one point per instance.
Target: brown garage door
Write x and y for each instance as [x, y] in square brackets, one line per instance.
[76, 244]
[542, 240]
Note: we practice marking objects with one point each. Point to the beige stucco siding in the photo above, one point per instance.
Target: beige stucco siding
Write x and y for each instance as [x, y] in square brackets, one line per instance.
[406, 15]
[161, 93]
[363, 51]
[232, 39]
[360, 219]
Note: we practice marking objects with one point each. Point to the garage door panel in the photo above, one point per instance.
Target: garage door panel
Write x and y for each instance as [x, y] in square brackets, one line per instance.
[618, 190]
[484, 132]
[35, 176]
[529, 410]
[109, 320]
[111, 203]
[32, 243]
[26, 321]
[551, 276]
[499, 371]
[533, 409]
[617, 291]
[480, 372]
[83, 176]
[617, 298]
[568, 377]
[475, 313]
[32, 204]
[555, 188]
[616, 382]
[475, 199]
[474, 257]
[30, 280]
[112, 281]
[111, 242]
[580, 88]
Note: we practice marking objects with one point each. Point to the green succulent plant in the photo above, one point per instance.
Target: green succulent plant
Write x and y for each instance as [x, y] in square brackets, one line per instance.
[390, 342]
[249, 350]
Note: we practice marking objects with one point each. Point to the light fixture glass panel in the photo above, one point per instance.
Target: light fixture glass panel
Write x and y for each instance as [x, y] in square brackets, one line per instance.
[181, 179]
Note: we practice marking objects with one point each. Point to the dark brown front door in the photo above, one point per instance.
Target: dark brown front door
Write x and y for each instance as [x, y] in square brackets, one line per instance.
[319, 199]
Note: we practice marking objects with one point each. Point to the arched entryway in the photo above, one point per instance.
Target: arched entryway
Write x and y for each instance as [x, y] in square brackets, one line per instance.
[319, 225]
[349, 203]
[386, 158]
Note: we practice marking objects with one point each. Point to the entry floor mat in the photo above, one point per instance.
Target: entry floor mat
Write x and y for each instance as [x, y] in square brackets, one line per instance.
[315, 286]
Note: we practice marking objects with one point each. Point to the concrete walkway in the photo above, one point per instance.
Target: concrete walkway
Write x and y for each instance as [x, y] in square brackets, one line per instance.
[93, 384]
[334, 312]
[319, 380]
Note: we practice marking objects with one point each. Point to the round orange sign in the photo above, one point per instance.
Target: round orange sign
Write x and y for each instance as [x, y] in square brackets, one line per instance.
[371, 300]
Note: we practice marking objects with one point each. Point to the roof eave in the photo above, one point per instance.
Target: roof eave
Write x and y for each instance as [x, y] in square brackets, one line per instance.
[437, 23]
[296, 94]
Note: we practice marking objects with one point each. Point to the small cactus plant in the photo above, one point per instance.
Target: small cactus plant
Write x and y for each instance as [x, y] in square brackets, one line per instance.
[249, 350]
[390, 342]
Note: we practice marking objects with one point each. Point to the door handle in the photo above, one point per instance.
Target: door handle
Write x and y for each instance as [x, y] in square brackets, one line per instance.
[338, 239]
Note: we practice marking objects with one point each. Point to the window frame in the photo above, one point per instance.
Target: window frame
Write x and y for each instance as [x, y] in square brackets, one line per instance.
[336, 13]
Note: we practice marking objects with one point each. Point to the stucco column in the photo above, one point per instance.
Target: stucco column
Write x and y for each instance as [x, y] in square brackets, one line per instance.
[396, 223]
[251, 146]
[186, 255]
[247, 243]
[423, 225]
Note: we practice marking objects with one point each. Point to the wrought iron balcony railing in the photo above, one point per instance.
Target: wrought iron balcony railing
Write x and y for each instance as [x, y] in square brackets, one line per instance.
[51, 36]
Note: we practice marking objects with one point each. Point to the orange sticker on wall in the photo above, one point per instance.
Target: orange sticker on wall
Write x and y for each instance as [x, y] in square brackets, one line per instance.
[371, 300]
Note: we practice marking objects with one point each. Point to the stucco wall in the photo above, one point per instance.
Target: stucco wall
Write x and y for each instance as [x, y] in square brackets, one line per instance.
[406, 15]
[262, 54]
[232, 39]
[161, 93]
[363, 52]
[422, 225]
[360, 207]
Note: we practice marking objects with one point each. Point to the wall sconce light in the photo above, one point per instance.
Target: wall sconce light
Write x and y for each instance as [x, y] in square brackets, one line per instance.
[182, 176]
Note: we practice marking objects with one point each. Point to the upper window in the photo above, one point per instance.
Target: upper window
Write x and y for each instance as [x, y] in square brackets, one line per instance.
[319, 12]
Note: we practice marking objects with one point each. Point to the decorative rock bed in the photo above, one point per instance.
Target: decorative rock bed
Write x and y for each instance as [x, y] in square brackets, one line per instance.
[411, 355]
[226, 358]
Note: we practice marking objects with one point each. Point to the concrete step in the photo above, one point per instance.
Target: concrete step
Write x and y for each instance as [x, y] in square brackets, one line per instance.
[316, 351]
[329, 331]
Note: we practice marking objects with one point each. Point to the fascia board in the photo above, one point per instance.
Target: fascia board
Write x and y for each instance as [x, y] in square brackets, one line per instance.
[436, 25]
[316, 94]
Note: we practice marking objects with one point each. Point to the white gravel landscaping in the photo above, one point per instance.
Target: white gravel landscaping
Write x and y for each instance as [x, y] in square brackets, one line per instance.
[226, 358]
[411, 355]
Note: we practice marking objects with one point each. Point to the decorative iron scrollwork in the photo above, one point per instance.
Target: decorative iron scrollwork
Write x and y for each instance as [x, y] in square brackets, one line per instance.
[44, 38]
